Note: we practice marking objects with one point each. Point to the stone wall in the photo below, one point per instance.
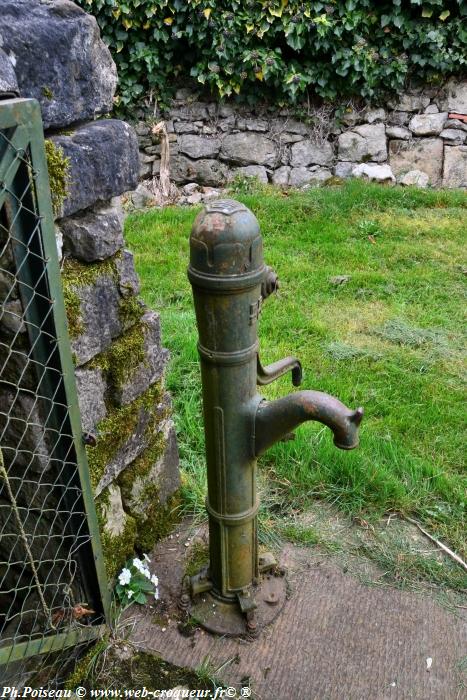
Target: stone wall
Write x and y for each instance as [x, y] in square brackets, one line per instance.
[52, 51]
[417, 139]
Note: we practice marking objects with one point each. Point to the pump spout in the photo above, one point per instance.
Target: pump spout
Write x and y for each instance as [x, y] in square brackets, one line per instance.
[275, 419]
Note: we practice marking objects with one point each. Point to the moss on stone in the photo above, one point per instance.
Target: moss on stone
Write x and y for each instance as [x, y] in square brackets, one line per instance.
[58, 166]
[131, 310]
[73, 311]
[84, 667]
[123, 357]
[117, 426]
[77, 275]
[133, 670]
[116, 548]
[156, 519]
[47, 92]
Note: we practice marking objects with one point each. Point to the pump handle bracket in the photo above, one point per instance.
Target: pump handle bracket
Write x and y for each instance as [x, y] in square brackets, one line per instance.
[268, 374]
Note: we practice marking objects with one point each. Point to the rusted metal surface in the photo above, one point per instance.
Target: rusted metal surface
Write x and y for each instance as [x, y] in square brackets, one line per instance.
[230, 282]
[274, 419]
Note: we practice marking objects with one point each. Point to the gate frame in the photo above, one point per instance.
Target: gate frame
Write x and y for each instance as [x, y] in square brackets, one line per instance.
[24, 116]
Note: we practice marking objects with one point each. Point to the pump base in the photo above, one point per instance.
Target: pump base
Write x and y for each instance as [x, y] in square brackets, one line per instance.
[227, 619]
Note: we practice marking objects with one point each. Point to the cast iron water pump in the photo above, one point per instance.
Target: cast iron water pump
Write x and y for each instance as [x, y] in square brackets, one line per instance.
[241, 590]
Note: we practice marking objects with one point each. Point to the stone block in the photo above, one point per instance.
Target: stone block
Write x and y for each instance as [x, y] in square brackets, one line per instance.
[398, 132]
[226, 124]
[285, 137]
[142, 197]
[91, 388]
[374, 172]
[410, 103]
[94, 234]
[375, 115]
[365, 142]
[428, 124]
[260, 125]
[281, 176]
[150, 368]
[455, 166]
[425, 154]
[8, 82]
[414, 178]
[292, 126]
[300, 177]
[141, 129]
[185, 128]
[162, 477]
[145, 170]
[456, 96]
[399, 118]
[248, 148]
[454, 137]
[192, 111]
[344, 169]
[198, 147]
[12, 317]
[455, 124]
[205, 171]
[26, 443]
[128, 281]
[431, 109]
[135, 444]
[60, 59]
[104, 162]
[98, 317]
[309, 153]
[257, 171]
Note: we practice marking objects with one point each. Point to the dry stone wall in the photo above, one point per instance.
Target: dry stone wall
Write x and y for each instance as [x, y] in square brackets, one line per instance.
[419, 138]
[115, 338]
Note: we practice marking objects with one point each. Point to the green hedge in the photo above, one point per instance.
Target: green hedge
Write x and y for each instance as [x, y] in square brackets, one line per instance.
[281, 49]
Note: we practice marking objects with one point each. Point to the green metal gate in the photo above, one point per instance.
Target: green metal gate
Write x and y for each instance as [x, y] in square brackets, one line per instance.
[53, 590]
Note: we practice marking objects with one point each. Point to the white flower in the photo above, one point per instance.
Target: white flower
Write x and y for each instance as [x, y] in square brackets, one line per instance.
[154, 580]
[138, 564]
[125, 577]
[146, 558]
[129, 593]
[156, 594]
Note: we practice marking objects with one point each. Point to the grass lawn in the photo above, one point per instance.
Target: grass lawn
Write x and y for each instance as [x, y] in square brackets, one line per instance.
[390, 338]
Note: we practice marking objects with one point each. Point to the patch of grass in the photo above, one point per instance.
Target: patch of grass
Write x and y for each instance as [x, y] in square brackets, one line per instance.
[402, 333]
[301, 535]
[124, 668]
[342, 351]
[404, 251]
[407, 568]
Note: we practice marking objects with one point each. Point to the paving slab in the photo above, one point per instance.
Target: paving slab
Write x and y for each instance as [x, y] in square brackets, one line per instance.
[336, 638]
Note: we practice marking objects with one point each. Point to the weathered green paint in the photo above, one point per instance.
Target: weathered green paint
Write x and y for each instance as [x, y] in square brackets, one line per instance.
[42, 298]
[230, 282]
[47, 645]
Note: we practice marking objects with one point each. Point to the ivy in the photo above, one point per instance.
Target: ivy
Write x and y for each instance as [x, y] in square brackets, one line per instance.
[281, 49]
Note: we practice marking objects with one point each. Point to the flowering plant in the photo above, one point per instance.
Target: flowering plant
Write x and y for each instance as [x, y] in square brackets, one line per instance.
[135, 582]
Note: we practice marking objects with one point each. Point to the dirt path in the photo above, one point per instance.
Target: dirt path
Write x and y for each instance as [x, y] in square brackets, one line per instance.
[336, 638]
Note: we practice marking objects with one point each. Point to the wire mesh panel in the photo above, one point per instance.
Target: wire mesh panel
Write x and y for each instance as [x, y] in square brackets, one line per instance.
[53, 594]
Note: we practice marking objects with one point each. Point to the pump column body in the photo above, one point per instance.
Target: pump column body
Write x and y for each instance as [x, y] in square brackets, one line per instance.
[226, 271]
